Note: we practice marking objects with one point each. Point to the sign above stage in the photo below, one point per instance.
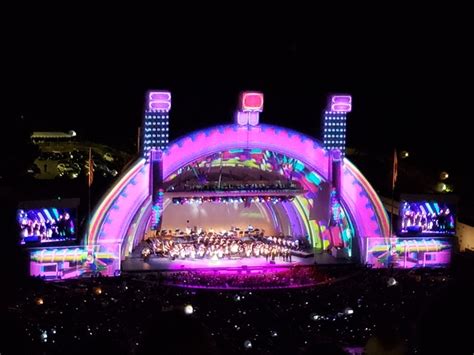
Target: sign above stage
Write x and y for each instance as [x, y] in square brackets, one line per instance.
[251, 101]
[159, 101]
[340, 103]
[251, 104]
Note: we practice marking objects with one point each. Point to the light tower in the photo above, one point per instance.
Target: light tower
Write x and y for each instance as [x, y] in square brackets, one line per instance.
[334, 140]
[155, 130]
[155, 140]
[334, 123]
[334, 137]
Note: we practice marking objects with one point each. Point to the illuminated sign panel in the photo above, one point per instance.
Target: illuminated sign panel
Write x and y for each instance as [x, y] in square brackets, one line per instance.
[159, 101]
[341, 103]
[251, 101]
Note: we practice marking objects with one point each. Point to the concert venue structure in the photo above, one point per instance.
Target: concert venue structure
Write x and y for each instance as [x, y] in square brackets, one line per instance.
[244, 194]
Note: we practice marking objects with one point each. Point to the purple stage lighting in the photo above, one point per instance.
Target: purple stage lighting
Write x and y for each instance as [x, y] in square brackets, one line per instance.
[253, 118]
[341, 103]
[242, 118]
[248, 118]
[159, 101]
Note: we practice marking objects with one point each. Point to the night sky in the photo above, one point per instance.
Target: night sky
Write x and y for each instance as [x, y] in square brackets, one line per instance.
[409, 75]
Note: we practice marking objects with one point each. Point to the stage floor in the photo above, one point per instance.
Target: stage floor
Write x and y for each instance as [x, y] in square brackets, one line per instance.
[163, 264]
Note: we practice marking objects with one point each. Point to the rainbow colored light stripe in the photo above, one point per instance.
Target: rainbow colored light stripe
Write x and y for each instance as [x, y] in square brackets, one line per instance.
[110, 196]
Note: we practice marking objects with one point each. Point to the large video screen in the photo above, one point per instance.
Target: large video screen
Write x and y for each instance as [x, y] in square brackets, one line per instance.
[427, 217]
[61, 263]
[407, 253]
[46, 225]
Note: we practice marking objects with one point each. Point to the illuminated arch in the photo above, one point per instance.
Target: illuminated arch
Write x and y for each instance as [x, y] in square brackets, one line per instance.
[125, 207]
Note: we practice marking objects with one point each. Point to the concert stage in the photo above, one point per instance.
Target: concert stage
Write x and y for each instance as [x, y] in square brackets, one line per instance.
[164, 264]
[201, 199]
[229, 181]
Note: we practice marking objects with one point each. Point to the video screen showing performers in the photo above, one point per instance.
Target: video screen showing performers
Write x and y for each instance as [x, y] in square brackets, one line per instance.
[46, 225]
[427, 217]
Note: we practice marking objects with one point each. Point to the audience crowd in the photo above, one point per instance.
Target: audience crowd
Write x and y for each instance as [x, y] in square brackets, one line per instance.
[348, 310]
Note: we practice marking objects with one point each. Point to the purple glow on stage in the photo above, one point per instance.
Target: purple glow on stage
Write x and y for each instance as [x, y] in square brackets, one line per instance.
[253, 118]
[248, 118]
[341, 99]
[336, 155]
[251, 101]
[341, 103]
[341, 108]
[159, 101]
[242, 118]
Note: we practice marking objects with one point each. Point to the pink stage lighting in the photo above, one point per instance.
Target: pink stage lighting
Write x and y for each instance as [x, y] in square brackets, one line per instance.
[251, 101]
[248, 118]
[159, 101]
[242, 118]
[341, 103]
[253, 118]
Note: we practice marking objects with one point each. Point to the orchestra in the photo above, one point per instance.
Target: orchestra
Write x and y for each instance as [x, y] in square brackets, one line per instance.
[222, 245]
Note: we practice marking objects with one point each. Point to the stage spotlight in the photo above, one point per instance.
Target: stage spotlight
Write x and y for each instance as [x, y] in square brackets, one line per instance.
[248, 344]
